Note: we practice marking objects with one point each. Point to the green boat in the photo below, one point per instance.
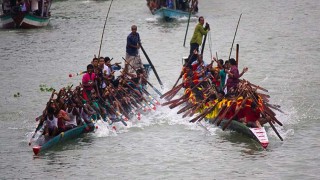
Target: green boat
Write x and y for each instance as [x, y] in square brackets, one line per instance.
[62, 137]
[257, 134]
[169, 14]
[70, 134]
[34, 16]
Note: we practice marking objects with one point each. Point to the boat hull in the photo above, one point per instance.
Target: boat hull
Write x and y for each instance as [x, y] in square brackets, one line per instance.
[23, 20]
[167, 13]
[62, 137]
[258, 134]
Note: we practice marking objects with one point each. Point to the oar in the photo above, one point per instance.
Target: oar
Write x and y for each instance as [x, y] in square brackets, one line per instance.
[193, 109]
[185, 37]
[275, 130]
[203, 44]
[187, 107]
[181, 74]
[170, 102]
[234, 36]
[202, 115]
[275, 108]
[258, 87]
[134, 103]
[235, 113]
[150, 97]
[104, 27]
[113, 110]
[219, 112]
[76, 74]
[269, 121]
[220, 118]
[40, 124]
[150, 104]
[153, 68]
[155, 89]
[170, 91]
[177, 104]
[266, 109]
[168, 98]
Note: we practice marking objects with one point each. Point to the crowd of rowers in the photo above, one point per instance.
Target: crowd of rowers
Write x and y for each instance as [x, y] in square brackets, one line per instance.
[101, 95]
[183, 5]
[217, 93]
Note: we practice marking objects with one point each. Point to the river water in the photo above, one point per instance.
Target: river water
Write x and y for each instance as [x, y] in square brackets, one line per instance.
[279, 42]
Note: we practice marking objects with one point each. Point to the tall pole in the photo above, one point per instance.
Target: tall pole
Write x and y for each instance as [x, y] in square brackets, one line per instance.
[104, 27]
[185, 36]
[234, 36]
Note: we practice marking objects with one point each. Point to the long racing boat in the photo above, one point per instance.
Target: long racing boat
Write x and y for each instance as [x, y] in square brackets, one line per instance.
[43, 143]
[62, 137]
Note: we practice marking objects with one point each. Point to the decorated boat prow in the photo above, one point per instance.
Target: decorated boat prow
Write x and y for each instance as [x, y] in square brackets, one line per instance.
[258, 134]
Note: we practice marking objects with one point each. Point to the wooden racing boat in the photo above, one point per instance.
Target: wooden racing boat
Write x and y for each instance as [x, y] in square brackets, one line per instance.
[63, 137]
[42, 144]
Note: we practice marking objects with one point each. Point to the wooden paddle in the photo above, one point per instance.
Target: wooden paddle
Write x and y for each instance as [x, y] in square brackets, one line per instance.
[168, 93]
[155, 89]
[223, 107]
[185, 37]
[153, 68]
[235, 114]
[177, 104]
[220, 118]
[181, 73]
[269, 121]
[202, 115]
[40, 124]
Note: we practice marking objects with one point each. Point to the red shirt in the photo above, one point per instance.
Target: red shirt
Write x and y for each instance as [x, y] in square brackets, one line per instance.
[86, 78]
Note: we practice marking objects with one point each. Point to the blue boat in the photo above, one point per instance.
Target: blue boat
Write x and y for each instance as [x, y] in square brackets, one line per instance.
[168, 14]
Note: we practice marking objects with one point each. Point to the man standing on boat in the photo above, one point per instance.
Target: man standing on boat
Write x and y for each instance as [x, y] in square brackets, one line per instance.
[132, 53]
[196, 39]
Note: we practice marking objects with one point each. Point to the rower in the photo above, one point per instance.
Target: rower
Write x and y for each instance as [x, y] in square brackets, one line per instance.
[73, 114]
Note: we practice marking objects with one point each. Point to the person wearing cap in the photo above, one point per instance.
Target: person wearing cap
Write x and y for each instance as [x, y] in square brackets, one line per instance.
[132, 51]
